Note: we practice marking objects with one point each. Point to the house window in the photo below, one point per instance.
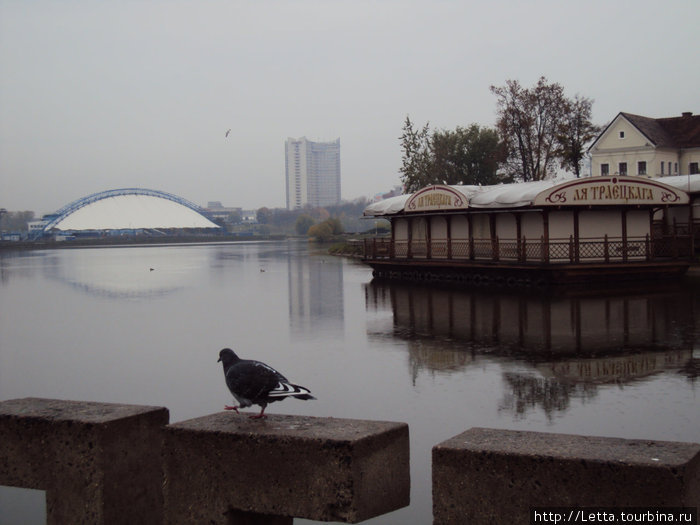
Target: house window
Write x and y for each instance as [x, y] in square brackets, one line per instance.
[693, 168]
[605, 170]
[675, 168]
[669, 168]
[662, 167]
[641, 167]
[622, 168]
[622, 134]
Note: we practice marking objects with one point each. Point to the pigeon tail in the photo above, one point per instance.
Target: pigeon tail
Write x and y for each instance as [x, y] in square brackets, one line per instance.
[290, 390]
[305, 397]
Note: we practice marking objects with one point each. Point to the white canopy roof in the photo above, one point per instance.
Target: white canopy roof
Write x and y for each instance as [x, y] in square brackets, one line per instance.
[687, 183]
[512, 195]
[133, 212]
[524, 193]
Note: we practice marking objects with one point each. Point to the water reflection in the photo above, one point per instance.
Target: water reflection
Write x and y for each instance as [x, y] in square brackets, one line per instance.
[315, 294]
[117, 273]
[14, 264]
[552, 347]
[442, 360]
[528, 392]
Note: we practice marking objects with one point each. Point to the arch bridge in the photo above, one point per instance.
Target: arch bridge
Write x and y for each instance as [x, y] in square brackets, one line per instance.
[55, 218]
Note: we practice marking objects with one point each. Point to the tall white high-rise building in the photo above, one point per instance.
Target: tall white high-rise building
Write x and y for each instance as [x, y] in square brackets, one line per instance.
[312, 172]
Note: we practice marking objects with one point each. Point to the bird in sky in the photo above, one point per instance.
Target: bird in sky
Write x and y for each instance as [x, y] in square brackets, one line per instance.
[255, 383]
[227, 132]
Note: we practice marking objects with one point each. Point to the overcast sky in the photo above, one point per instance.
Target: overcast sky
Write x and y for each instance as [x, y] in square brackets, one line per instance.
[104, 95]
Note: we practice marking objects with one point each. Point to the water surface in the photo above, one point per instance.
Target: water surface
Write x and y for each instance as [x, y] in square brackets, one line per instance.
[144, 325]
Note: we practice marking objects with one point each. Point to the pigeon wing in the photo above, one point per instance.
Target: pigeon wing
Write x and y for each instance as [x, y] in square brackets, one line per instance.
[252, 379]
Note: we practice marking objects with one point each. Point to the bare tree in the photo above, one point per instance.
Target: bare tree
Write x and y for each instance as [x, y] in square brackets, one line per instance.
[528, 121]
[575, 132]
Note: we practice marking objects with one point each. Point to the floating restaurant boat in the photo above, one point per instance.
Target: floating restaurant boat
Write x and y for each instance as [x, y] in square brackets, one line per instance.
[552, 231]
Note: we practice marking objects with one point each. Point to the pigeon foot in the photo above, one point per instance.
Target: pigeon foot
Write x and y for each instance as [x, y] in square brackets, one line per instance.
[258, 416]
[235, 409]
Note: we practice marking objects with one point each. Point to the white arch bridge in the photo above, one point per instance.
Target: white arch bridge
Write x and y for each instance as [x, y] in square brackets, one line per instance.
[126, 209]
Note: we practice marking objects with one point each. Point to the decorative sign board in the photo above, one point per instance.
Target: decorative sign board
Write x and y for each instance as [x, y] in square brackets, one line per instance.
[611, 191]
[434, 198]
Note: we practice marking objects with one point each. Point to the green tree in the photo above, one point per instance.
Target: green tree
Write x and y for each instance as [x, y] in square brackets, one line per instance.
[529, 122]
[326, 230]
[466, 155]
[321, 231]
[469, 155]
[235, 217]
[303, 223]
[575, 132]
[416, 159]
[336, 225]
[263, 215]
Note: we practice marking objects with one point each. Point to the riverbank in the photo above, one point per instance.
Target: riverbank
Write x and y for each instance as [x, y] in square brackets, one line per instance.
[135, 240]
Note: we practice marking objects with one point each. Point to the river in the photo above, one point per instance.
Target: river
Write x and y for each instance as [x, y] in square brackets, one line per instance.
[144, 325]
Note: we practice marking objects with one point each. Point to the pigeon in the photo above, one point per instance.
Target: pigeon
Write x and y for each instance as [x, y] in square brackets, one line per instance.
[255, 383]
[227, 132]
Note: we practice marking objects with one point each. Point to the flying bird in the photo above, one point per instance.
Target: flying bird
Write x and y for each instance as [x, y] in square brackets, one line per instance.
[255, 383]
[227, 132]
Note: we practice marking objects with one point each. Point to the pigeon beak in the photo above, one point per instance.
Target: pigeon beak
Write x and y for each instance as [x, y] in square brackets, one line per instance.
[218, 360]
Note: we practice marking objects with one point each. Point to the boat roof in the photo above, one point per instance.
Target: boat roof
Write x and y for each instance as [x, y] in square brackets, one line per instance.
[538, 193]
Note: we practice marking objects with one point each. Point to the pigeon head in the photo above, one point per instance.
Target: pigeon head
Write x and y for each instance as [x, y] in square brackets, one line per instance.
[227, 357]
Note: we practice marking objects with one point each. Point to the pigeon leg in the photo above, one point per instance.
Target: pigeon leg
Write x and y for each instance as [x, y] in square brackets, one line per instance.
[261, 415]
[235, 409]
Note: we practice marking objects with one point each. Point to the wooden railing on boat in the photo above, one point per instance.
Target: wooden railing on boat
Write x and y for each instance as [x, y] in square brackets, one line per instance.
[520, 251]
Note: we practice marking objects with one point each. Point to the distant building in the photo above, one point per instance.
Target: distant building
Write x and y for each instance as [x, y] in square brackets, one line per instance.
[216, 211]
[312, 172]
[397, 190]
[636, 145]
[249, 216]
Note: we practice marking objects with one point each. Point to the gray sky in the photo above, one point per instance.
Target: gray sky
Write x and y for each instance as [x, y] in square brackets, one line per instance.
[104, 95]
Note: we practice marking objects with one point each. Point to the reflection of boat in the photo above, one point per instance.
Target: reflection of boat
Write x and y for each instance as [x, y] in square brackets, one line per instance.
[615, 368]
[569, 341]
[552, 347]
[540, 326]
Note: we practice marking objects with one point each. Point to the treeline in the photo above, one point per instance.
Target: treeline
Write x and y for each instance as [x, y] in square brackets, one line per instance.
[538, 130]
[321, 223]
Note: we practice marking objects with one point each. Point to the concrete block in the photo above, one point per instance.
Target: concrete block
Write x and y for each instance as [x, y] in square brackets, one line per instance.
[495, 476]
[98, 462]
[323, 469]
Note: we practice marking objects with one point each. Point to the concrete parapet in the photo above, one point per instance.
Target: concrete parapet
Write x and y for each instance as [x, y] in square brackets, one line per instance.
[97, 462]
[494, 476]
[324, 469]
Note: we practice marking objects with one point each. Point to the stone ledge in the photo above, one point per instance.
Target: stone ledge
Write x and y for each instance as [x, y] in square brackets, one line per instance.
[322, 469]
[495, 476]
[97, 462]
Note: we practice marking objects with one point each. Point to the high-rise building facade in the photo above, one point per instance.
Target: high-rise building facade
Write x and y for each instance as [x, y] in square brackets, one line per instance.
[312, 172]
